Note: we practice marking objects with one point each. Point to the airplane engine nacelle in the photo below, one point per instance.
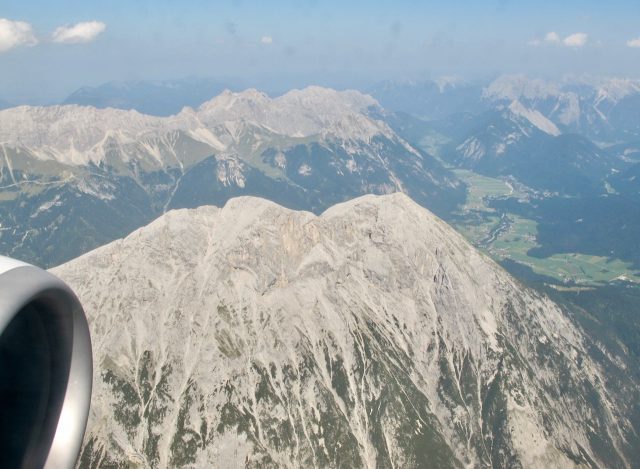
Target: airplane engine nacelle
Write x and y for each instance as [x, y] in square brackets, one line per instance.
[45, 369]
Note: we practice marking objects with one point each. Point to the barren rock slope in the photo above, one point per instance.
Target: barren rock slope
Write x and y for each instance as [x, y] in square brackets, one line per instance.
[370, 336]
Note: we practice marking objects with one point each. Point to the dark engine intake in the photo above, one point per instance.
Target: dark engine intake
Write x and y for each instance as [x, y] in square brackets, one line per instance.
[45, 369]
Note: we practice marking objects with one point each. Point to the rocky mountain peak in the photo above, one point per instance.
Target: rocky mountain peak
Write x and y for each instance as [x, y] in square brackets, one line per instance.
[520, 87]
[371, 335]
[79, 135]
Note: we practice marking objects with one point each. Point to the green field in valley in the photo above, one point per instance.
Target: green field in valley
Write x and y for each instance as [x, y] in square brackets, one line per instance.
[509, 236]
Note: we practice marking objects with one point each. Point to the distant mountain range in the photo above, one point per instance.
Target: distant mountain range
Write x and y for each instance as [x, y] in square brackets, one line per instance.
[514, 142]
[430, 100]
[74, 177]
[605, 110]
[371, 336]
[311, 148]
[159, 98]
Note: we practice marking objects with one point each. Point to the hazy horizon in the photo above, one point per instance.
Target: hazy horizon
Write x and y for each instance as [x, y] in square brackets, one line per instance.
[50, 49]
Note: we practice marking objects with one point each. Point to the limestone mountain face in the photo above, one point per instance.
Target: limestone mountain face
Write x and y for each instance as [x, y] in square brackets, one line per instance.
[372, 335]
[64, 170]
[79, 135]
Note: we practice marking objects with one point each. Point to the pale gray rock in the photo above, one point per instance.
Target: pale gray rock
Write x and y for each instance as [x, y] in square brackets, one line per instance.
[373, 335]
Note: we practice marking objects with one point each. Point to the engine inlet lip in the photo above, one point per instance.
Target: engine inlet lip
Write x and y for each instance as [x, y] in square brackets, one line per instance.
[24, 287]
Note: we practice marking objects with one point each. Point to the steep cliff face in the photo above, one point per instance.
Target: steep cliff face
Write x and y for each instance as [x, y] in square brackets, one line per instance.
[370, 336]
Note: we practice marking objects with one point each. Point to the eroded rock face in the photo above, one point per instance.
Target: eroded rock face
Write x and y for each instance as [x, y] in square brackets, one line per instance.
[370, 336]
[67, 170]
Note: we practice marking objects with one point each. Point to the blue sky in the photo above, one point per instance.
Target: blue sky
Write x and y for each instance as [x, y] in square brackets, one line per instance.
[279, 44]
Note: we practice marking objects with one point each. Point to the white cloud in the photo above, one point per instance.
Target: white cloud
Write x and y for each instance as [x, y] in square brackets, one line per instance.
[575, 40]
[78, 33]
[635, 43]
[266, 40]
[15, 33]
[552, 38]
